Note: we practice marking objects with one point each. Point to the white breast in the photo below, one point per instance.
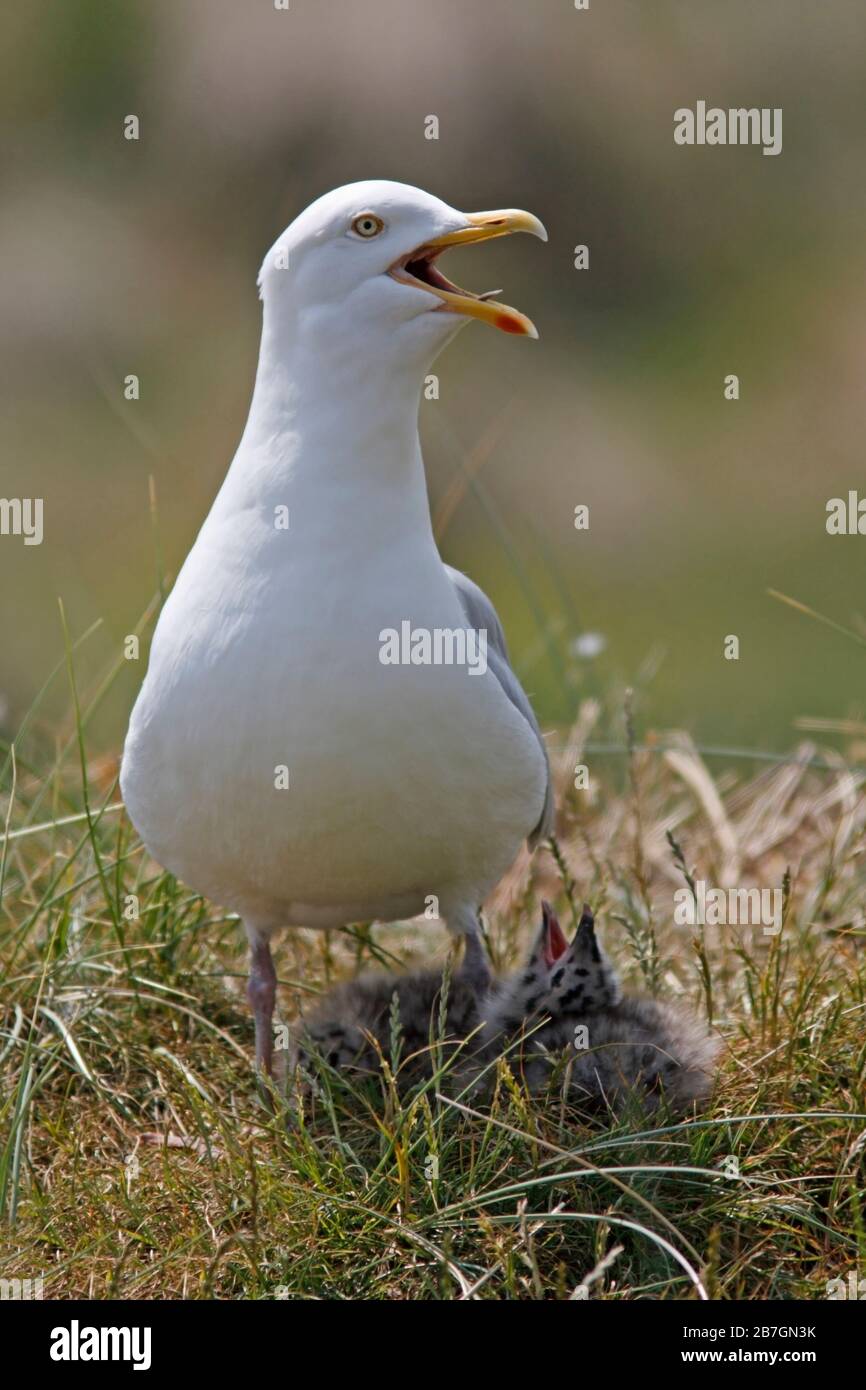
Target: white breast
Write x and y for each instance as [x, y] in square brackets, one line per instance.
[404, 782]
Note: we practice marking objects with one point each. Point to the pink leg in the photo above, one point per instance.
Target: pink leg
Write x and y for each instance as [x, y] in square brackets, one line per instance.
[476, 967]
[262, 992]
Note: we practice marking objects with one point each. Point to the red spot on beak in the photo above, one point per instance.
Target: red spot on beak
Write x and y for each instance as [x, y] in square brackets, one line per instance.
[555, 944]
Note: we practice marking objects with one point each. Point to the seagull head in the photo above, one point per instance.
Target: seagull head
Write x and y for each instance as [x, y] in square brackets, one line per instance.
[361, 265]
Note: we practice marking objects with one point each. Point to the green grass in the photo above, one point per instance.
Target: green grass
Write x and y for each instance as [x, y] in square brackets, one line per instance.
[137, 1158]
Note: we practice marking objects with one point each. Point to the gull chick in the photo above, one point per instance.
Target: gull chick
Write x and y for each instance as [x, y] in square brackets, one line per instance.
[561, 1013]
[274, 761]
[616, 1051]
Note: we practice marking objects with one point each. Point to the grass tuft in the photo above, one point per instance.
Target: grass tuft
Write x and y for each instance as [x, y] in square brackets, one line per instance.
[136, 1159]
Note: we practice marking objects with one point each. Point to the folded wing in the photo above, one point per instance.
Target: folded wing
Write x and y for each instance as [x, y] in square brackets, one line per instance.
[480, 613]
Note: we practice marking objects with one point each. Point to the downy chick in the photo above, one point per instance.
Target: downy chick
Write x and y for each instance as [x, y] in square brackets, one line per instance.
[352, 1027]
[566, 1010]
[562, 1009]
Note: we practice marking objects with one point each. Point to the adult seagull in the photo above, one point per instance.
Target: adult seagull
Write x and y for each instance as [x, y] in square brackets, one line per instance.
[275, 760]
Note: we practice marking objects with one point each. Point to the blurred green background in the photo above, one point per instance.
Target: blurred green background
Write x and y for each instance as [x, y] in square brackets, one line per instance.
[122, 257]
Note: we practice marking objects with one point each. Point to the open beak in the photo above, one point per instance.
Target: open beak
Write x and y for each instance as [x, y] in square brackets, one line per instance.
[419, 268]
[554, 943]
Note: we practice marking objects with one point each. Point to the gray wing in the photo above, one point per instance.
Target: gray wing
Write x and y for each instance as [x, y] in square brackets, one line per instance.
[480, 613]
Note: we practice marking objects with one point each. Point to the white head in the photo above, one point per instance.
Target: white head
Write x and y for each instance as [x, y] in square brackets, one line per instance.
[358, 268]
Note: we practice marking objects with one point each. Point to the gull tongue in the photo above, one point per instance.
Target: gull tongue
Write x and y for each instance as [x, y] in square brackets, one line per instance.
[488, 294]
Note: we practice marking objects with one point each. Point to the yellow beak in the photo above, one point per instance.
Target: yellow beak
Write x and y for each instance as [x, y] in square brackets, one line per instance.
[419, 269]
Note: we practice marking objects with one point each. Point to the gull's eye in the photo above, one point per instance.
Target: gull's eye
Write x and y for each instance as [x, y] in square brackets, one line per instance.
[367, 225]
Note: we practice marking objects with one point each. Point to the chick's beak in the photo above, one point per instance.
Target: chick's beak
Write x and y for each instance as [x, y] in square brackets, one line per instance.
[419, 268]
